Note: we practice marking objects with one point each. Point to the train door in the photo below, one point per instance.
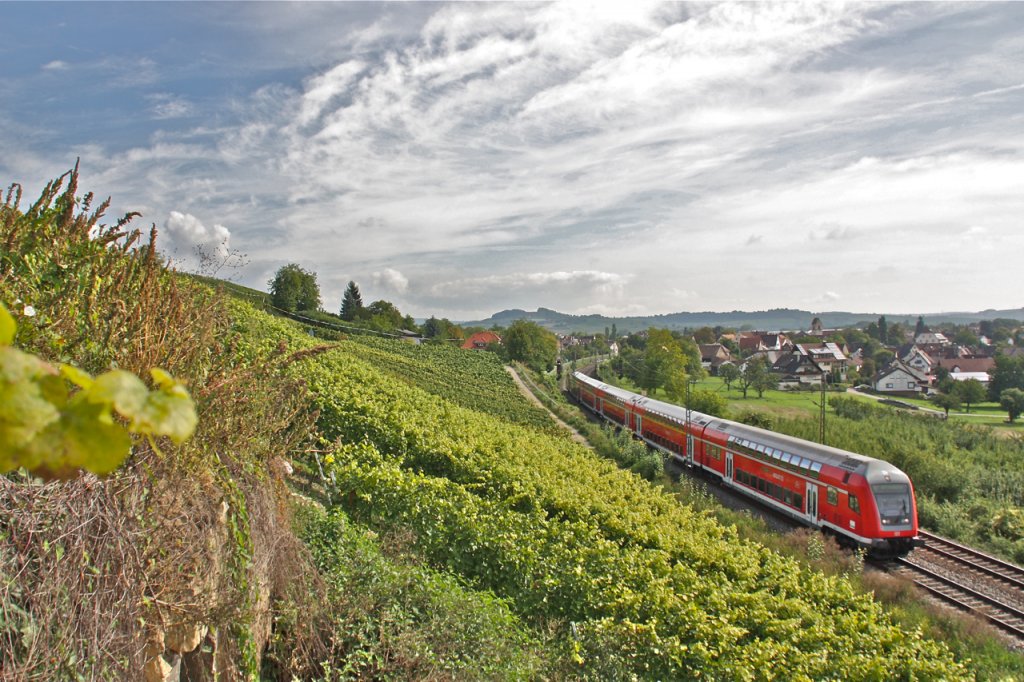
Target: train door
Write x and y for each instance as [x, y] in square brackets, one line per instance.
[812, 502]
[728, 466]
[599, 406]
[689, 449]
[639, 428]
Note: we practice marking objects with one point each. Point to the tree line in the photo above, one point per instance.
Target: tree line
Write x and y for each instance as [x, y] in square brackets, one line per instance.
[295, 290]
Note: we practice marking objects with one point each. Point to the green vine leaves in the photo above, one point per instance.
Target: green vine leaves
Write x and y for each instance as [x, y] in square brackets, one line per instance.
[54, 432]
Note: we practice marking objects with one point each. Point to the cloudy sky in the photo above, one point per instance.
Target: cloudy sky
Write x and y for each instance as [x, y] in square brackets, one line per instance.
[618, 158]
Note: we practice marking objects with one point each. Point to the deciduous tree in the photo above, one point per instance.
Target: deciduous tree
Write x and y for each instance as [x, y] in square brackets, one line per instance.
[664, 363]
[752, 375]
[946, 401]
[1008, 373]
[294, 289]
[970, 392]
[704, 335]
[385, 316]
[709, 402]
[1012, 400]
[728, 373]
[531, 344]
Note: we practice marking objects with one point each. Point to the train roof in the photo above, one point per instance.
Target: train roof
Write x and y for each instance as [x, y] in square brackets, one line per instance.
[657, 407]
[752, 437]
[761, 439]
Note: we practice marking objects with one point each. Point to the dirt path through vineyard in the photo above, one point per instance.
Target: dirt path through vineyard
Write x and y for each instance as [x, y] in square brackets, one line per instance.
[525, 390]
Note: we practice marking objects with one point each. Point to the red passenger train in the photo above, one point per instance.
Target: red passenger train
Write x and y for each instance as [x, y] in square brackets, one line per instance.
[861, 500]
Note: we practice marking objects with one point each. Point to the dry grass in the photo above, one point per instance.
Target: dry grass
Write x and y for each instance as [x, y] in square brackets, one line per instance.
[73, 575]
[197, 534]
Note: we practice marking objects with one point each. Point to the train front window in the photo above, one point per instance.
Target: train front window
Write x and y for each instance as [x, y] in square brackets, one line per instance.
[894, 504]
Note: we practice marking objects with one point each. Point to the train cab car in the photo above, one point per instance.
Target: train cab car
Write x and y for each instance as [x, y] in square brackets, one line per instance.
[889, 510]
[863, 501]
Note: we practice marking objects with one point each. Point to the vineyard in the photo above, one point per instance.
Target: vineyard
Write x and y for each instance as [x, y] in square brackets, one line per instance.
[435, 526]
[634, 583]
[474, 380]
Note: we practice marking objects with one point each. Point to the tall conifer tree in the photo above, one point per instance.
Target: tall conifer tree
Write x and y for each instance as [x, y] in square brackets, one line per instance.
[352, 303]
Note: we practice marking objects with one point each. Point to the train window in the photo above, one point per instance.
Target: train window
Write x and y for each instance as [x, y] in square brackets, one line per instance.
[854, 504]
[798, 501]
[833, 496]
[777, 454]
[816, 467]
[786, 457]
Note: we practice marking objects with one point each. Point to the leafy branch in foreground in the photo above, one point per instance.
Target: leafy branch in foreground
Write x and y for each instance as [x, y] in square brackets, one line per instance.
[54, 433]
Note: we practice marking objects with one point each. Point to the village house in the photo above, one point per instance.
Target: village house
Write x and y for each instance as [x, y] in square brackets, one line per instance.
[900, 379]
[713, 356]
[570, 340]
[481, 340]
[806, 363]
[795, 368]
[828, 356]
[928, 338]
[752, 342]
[933, 343]
[913, 356]
[962, 369]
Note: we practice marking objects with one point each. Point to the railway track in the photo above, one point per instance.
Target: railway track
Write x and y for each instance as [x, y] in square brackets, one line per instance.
[976, 561]
[970, 580]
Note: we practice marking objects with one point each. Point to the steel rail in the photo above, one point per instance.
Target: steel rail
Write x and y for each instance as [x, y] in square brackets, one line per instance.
[974, 559]
[1002, 615]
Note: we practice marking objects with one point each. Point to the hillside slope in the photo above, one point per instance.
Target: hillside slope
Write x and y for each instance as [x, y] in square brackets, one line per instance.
[437, 527]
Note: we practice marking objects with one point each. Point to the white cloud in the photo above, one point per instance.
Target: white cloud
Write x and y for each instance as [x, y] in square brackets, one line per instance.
[55, 65]
[826, 298]
[168, 106]
[321, 89]
[185, 234]
[565, 143]
[391, 280]
[601, 282]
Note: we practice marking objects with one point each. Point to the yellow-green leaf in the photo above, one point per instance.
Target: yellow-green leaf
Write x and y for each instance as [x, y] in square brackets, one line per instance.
[8, 327]
[169, 412]
[85, 438]
[76, 376]
[26, 407]
[122, 389]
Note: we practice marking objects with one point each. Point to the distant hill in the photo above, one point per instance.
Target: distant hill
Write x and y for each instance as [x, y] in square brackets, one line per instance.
[778, 319]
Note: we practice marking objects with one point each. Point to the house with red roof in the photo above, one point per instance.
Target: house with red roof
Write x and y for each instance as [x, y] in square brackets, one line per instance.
[481, 340]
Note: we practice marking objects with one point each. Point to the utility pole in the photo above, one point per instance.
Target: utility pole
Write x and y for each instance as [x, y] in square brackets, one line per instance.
[821, 420]
[690, 381]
